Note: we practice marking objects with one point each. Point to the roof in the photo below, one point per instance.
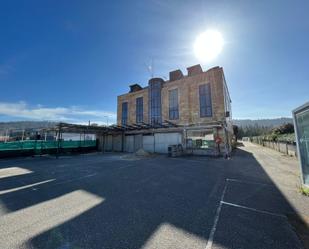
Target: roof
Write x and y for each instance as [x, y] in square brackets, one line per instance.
[301, 108]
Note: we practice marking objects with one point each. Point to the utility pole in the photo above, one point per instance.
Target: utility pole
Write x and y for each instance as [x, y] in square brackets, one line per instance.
[6, 135]
[150, 68]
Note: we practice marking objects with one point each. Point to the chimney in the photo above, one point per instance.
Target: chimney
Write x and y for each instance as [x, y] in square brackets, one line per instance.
[135, 88]
[196, 69]
[176, 75]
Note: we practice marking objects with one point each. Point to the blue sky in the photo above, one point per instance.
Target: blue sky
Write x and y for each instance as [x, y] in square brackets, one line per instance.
[68, 60]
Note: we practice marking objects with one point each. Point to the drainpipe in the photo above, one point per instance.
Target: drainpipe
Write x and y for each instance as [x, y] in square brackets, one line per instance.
[227, 145]
[154, 141]
[185, 138]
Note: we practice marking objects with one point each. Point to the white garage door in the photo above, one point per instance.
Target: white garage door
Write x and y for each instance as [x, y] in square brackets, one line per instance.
[148, 143]
[117, 143]
[163, 140]
[129, 143]
[108, 146]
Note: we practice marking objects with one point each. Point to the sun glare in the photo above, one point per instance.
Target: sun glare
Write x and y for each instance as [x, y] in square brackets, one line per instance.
[208, 45]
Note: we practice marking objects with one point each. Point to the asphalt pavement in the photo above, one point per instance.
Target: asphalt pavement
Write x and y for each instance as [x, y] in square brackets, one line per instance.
[118, 201]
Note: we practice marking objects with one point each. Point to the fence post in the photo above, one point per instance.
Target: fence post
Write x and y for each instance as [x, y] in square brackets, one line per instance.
[58, 142]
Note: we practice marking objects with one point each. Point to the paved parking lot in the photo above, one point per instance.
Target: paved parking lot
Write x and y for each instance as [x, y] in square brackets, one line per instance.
[118, 201]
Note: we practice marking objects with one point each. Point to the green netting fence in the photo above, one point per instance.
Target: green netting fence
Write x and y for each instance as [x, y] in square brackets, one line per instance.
[43, 145]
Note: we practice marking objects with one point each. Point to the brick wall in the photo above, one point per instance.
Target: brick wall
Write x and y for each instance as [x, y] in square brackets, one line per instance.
[188, 99]
[131, 99]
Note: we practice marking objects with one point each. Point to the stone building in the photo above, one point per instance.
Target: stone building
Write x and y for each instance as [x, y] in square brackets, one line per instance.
[192, 110]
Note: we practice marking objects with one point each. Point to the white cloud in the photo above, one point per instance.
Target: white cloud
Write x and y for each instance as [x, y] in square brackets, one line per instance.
[68, 114]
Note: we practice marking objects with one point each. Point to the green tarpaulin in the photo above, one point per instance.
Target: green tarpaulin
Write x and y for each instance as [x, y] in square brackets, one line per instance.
[39, 145]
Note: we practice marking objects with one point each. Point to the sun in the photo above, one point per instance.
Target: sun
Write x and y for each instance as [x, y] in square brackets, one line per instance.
[208, 45]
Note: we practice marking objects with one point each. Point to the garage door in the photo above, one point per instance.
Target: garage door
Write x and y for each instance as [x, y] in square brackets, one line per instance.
[148, 143]
[129, 144]
[163, 140]
[117, 143]
[138, 142]
[108, 143]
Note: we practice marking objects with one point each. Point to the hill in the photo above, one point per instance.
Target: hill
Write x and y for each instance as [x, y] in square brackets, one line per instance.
[20, 125]
[262, 122]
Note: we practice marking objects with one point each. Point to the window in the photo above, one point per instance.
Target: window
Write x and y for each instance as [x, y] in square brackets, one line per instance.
[155, 102]
[173, 104]
[124, 115]
[139, 110]
[205, 100]
[201, 139]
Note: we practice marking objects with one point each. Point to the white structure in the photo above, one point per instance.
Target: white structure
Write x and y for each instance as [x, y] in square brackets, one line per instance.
[301, 124]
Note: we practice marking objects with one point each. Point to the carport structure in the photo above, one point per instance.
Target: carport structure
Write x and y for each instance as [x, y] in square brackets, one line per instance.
[154, 138]
[127, 138]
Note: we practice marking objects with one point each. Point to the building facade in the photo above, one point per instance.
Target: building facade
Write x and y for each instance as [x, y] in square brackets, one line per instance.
[197, 104]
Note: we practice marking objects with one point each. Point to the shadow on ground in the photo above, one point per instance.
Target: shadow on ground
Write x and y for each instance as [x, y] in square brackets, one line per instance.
[150, 203]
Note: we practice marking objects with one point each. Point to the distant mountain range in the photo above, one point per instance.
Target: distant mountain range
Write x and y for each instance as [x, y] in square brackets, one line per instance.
[262, 122]
[47, 124]
[20, 125]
